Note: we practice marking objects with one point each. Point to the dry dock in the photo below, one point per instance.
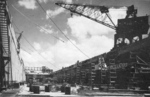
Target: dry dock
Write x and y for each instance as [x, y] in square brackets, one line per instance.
[24, 92]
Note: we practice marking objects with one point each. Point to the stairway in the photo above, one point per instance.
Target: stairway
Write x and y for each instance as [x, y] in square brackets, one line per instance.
[4, 29]
[4, 40]
[112, 74]
[133, 82]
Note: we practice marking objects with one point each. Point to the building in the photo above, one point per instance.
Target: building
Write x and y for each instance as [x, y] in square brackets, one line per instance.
[39, 74]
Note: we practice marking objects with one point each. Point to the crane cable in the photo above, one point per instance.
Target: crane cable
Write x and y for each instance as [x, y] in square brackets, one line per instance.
[61, 31]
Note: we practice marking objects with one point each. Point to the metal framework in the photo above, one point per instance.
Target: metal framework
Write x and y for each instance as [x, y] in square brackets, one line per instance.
[95, 13]
[127, 64]
[43, 69]
[5, 68]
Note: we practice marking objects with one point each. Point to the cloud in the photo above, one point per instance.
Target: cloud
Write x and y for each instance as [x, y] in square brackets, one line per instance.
[37, 46]
[68, 1]
[117, 13]
[43, 1]
[48, 55]
[30, 4]
[82, 26]
[36, 58]
[46, 29]
[57, 11]
[65, 54]
[92, 40]
[65, 32]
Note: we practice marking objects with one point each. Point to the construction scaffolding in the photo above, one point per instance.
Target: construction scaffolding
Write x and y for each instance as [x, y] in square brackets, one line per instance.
[127, 63]
[11, 64]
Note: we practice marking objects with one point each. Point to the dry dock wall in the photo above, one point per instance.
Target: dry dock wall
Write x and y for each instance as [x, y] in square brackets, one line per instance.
[17, 64]
[11, 64]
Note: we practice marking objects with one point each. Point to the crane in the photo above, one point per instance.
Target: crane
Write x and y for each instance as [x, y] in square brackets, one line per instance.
[95, 13]
[127, 29]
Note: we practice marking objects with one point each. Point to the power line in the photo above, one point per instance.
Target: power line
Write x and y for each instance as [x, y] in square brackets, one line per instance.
[36, 23]
[26, 52]
[61, 31]
[16, 26]
[19, 31]
[38, 52]
[31, 45]
[27, 48]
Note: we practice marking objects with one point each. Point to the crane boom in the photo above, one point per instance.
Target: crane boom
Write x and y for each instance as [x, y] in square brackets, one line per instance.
[95, 13]
[127, 28]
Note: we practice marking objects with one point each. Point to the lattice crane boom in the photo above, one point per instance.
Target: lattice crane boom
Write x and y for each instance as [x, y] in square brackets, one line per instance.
[127, 28]
[95, 13]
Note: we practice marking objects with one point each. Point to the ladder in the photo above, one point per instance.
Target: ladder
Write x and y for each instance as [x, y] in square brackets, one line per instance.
[112, 74]
[93, 74]
[78, 74]
[83, 76]
[4, 45]
[133, 79]
[133, 82]
[103, 75]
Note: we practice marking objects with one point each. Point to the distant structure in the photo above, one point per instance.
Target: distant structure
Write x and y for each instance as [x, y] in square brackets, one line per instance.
[37, 73]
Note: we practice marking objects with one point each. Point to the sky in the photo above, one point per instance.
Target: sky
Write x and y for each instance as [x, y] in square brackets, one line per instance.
[45, 47]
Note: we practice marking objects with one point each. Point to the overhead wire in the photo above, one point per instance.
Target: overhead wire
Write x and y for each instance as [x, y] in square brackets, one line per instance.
[28, 53]
[62, 31]
[25, 50]
[36, 23]
[16, 26]
[38, 52]
[32, 46]
[19, 33]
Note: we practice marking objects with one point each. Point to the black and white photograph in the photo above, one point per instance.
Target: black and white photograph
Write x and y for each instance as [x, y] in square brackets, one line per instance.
[74, 48]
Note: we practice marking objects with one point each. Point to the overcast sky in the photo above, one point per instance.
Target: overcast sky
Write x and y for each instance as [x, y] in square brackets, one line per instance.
[92, 38]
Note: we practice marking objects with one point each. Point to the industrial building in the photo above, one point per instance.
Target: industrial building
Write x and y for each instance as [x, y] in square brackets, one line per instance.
[126, 65]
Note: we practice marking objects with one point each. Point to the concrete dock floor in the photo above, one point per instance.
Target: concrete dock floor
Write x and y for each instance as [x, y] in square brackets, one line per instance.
[24, 92]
